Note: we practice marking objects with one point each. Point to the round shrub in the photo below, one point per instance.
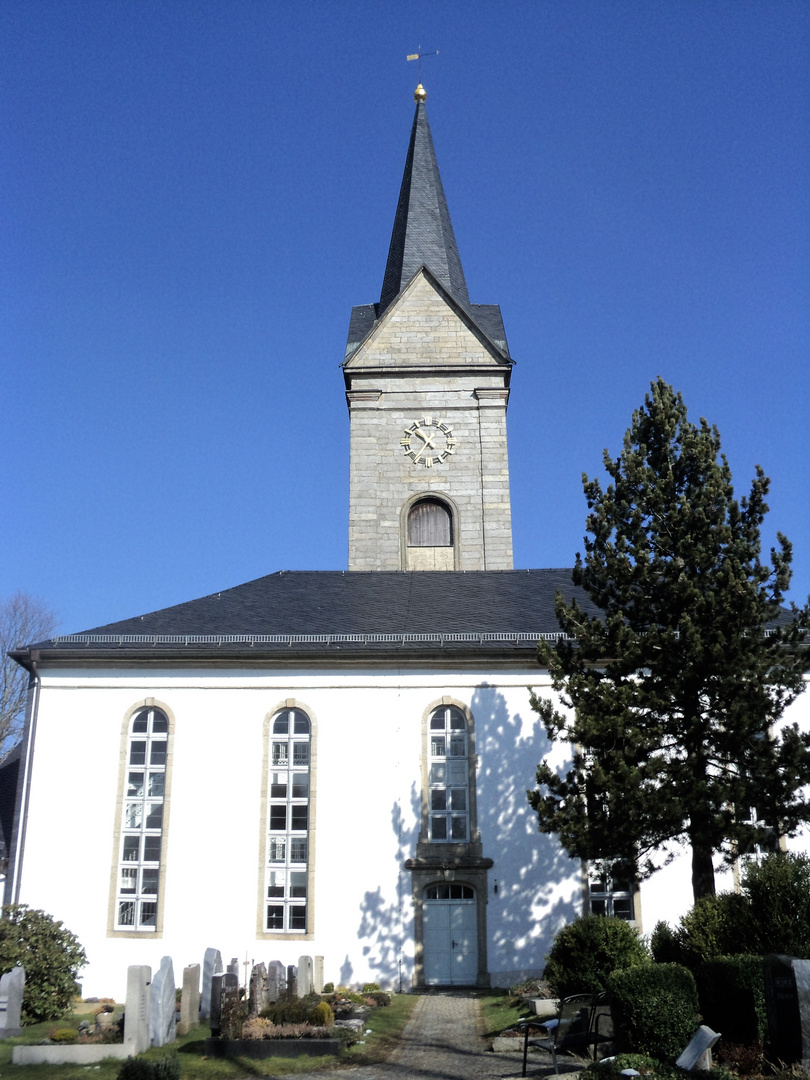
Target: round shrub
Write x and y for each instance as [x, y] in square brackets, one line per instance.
[716, 926]
[64, 1035]
[586, 951]
[778, 894]
[654, 1008]
[321, 1015]
[51, 956]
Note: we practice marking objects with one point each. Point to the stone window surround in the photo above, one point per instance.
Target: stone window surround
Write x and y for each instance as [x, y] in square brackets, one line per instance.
[123, 768]
[437, 863]
[267, 738]
[455, 525]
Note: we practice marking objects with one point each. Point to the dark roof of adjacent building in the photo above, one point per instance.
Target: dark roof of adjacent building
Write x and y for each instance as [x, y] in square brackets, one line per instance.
[343, 612]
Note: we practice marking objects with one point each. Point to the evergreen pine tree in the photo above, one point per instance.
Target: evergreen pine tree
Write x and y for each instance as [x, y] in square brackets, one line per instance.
[674, 695]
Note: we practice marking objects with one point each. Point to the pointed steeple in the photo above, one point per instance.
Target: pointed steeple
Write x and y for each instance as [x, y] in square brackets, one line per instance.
[423, 233]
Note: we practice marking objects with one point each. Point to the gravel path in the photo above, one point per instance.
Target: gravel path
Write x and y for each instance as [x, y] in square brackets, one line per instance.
[442, 1041]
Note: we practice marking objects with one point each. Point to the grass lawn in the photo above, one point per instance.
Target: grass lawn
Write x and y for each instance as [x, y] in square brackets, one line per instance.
[386, 1025]
[500, 1012]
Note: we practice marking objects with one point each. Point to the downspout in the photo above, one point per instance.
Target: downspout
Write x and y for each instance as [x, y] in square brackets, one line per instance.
[13, 880]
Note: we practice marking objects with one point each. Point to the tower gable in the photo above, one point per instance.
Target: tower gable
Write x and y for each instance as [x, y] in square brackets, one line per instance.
[424, 326]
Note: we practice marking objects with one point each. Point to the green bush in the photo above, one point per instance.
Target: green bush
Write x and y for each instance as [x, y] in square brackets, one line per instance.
[586, 951]
[64, 1035]
[664, 944]
[329, 988]
[379, 997]
[162, 1068]
[716, 926]
[654, 1008]
[51, 956]
[322, 1015]
[731, 992]
[778, 895]
[370, 987]
[289, 1009]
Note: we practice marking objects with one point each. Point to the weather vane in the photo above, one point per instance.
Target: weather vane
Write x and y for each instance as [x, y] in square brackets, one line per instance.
[418, 56]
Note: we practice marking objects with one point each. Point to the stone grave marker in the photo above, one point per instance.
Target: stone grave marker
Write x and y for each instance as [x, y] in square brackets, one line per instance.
[292, 980]
[189, 999]
[212, 964]
[698, 1054]
[229, 1007]
[276, 979]
[233, 967]
[12, 985]
[163, 1009]
[787, 1003]
[136, 1015]
[258, 999]
[221, 983]
[317, 977]
[304, 976]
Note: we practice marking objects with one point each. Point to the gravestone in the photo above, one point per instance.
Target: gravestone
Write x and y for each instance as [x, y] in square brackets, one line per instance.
[233, 967]
[212, 965]
[163, 1009]
[12, 985]
[258, 990]
[221, 984]
[292, 980]
[304, 976]
[787, 1003]
[136, 1015]
[317, 977]
[276, 979]
[698, 1054]
[189, 999]
[229, 1007]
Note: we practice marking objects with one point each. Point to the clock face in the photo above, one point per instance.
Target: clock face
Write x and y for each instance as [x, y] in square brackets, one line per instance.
[428, 442]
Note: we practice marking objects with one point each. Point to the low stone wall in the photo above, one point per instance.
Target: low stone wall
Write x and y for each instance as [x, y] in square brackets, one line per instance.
[67, 1054]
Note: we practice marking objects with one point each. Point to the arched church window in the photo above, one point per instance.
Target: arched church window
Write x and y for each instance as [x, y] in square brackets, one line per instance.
[430, 524]
[448, 777]
[288, 822]
[142, 825]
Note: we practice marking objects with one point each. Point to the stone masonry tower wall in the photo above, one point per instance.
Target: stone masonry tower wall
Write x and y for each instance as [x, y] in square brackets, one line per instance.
[427, 384]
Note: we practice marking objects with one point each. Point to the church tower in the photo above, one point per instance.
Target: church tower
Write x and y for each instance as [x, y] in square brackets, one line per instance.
[427, 385]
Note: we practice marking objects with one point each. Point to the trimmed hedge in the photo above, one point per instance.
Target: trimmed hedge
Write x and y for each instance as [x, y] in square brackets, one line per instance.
[654, 1008]
[586, 951]
[732, 998]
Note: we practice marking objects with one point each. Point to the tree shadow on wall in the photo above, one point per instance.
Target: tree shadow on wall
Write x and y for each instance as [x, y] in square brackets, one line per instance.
[386, 924]
[538, 884]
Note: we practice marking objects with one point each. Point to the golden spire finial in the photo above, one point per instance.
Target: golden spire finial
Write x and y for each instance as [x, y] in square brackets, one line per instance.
[420, 94]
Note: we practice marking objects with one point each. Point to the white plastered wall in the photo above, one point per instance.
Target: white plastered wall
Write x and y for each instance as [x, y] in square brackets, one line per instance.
[368, 727]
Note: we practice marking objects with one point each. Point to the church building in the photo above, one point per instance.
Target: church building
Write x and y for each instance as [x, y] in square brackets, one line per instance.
[332, 763]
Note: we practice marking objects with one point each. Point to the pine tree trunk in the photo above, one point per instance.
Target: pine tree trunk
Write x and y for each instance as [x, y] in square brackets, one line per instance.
[702, 870]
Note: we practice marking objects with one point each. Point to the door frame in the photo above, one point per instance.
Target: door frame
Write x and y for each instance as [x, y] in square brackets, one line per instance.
[476, 878]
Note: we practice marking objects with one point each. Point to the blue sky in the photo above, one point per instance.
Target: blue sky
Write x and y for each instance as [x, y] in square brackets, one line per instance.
[195, 193]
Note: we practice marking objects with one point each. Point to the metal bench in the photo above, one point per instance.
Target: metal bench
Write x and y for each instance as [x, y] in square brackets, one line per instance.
[576, 1028]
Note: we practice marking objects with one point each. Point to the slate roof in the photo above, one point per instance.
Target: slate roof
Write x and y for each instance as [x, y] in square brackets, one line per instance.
[423, 233]
[342, 613]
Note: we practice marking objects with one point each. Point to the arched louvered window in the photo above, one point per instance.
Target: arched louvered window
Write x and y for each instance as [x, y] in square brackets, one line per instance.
[288, 822]
[430, 524]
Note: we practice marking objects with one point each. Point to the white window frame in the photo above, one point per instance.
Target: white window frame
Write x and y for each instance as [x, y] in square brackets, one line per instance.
[141, 840]
[612, 893]
[285, 906]
[448, 776]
